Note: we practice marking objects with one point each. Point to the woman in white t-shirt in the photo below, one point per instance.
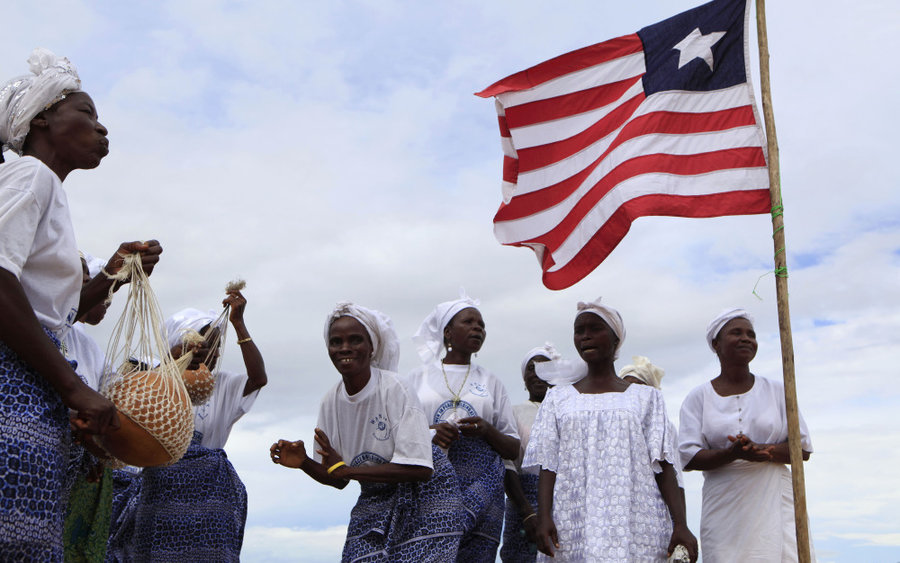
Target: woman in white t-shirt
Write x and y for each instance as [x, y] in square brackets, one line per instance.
[52, 125]
[734, 429]
[372, 430]
[470, 416]
[196, 508]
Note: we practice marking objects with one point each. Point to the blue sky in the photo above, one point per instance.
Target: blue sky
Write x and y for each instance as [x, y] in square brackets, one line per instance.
[333, 151]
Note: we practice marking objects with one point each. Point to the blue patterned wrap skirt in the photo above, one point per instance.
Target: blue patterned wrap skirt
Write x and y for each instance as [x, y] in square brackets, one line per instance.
[479, 472]
[193, 510]
[407, 522]
[516, 547]
[34, 454]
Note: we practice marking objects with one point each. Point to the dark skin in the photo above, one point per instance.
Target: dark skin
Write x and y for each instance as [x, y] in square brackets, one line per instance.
[207, 351]
[65, 137]
[537, 390]
[736, 346]
[596, 344]
[350, 350]
[463, 336]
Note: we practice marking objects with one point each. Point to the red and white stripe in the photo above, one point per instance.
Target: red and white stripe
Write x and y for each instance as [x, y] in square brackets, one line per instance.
[586, 152]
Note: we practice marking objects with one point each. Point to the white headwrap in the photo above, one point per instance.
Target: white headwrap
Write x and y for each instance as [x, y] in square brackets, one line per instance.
[609, 315]
[185, 320]
[547, 350]
[385, 344]
[22, 98]
[715, 325]
[642, 369]
[429, 339]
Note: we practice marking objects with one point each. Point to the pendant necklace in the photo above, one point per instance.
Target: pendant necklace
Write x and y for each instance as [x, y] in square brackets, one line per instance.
[456, 395]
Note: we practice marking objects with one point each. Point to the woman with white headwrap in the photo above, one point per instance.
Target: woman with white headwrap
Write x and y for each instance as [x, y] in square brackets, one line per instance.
[470, 416]
[372, 430]
[608, 489]
[195, 509]
[521, 483]
[734, 429]
[52, 125]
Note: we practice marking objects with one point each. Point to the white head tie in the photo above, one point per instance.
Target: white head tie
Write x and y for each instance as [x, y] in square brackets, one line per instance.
[22, 98]
[94, 264]
[547, 350]
[715, 325]
[642, 369]
[187, 319]
[385, 344]
[609, 315]
[429, 339]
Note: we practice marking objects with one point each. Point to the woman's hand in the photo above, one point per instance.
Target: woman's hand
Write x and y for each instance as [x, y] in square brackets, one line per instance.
[149, 251]
[329, 455]
[96, 413]
[744, 448]
[530, 525]
[444, 434]
[473, 426]
[288, 454]
[546, 536]
[681, 535]
[238, 302]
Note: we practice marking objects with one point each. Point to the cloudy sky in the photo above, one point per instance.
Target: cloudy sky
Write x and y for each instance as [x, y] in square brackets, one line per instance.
[329, 151]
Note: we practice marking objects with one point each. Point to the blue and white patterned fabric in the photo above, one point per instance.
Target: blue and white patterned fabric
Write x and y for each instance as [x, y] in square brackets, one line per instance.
[407, 522]
[479, 472]
[193, 510]
[516, 547]
[34, 450]
[126, 492]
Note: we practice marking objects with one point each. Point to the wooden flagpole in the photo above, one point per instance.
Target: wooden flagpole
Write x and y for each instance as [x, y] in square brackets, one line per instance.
[784, 317]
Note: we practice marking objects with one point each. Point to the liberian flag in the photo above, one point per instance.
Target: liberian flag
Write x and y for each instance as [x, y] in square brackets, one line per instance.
[661, 122]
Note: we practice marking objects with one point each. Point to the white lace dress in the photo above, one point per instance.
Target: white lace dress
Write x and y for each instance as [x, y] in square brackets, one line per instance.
[605, 450]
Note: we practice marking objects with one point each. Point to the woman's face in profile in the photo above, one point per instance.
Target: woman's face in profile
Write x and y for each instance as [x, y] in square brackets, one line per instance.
[78, 138]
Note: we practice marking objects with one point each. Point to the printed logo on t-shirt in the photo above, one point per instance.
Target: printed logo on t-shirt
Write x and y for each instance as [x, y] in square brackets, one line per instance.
[478, 389]
[202, 411]
[369, 458]
[382, 430]
[447, 412]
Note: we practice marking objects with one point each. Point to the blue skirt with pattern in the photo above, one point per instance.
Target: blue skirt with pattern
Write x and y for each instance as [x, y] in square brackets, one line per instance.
[193, 510]
[34, 453]
[516, 547]
[479, 472]
[407, 522]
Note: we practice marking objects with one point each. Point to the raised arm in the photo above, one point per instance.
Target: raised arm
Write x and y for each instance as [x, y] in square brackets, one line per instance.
[253, 360]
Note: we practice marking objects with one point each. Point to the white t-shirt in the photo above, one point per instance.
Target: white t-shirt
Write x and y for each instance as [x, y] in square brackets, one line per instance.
[225, 406]
[85, 350]
[37, 241]
[481, 394]
[524, 414]
[381, 423]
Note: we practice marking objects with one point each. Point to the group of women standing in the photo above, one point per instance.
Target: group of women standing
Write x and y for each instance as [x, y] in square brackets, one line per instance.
[54, 505]
[590, 465]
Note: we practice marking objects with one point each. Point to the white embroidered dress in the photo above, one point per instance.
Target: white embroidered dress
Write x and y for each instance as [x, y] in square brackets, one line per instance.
[605, 449]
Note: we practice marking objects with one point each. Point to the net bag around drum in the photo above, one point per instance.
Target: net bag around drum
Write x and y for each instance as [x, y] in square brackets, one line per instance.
[154, 408]
[200, 382]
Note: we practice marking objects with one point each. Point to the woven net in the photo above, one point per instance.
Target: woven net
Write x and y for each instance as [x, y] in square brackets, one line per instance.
[146, 387]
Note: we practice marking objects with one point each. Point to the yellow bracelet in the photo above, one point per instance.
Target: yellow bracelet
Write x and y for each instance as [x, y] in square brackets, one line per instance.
[244, 340]
[527, 517]
[335, 466]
